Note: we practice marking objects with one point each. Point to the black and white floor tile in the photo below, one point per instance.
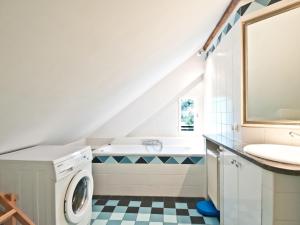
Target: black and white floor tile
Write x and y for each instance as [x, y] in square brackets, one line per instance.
[131, 210]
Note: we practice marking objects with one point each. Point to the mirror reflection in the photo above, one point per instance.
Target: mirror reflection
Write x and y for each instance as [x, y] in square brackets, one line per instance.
[272, 76]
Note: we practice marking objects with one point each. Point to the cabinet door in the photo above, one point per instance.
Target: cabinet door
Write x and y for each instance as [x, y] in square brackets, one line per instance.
[230, 189]
[249, 189]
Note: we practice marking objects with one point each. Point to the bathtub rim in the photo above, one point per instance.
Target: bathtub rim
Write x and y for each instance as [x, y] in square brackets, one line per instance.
[196, 154]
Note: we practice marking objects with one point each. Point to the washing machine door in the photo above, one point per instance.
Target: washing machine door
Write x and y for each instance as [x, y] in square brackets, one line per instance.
[79, 196]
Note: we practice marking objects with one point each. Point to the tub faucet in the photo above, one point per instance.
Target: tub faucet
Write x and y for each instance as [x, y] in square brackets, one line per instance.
[293, 134]
[152, 142]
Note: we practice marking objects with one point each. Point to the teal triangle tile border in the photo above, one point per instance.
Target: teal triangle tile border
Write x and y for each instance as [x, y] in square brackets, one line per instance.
[148, 159]
[237, 16]
[273, 1]
[233, 19]
[193, 160]
[197, 159]
[179, 159]
[171, 160]
[103, 158]
[125, 160]
[187, 161]
[263, 2]
[141, 160]
[156, 160]
[96, 160]
[253, 7]
[111, 160]
[133, 158]
[118, 158]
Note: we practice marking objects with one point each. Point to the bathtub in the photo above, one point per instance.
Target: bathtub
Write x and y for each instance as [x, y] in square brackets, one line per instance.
[177, 171]
[148, 150]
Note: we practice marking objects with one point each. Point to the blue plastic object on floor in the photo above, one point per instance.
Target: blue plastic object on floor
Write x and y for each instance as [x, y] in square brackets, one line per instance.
[207, 208]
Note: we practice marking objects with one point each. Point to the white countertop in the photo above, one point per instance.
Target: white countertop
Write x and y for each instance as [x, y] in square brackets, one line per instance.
[43, 153]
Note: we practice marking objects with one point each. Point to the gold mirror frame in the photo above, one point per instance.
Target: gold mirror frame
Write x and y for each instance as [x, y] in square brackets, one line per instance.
[255, 17]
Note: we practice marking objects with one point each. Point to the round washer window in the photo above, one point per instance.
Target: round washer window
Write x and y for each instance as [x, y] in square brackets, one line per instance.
[80, 195]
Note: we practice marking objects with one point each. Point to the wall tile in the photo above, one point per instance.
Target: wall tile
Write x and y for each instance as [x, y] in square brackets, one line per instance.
[267, 205]
[278, 136]
[268, 180]
[287, 184]
[287, 206]
[251, 135]
[280, 222]
[296, 139]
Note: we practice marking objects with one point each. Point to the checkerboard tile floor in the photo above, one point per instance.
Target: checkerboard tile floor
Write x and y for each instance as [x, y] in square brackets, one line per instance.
[125, 210]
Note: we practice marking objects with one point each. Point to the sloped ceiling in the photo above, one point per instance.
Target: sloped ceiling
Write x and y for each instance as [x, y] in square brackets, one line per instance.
[68, 66]
[171, 87]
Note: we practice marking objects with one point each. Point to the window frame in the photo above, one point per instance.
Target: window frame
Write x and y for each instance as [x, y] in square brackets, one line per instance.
[195, 112]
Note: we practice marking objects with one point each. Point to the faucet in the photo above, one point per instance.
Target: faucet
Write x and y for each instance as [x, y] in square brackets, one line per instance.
[152, 142]
[293, 134]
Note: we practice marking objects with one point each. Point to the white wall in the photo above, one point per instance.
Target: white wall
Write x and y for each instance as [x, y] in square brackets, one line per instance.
[166, 122]
[223, 96]
[67, 67]
[161, 124]
[174, 85]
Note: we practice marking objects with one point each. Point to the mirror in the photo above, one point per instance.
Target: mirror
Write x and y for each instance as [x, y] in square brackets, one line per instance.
[271, 66]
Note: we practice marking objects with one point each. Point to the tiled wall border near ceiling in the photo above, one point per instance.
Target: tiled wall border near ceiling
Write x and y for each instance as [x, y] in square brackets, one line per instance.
[234, 18]
[194, 160]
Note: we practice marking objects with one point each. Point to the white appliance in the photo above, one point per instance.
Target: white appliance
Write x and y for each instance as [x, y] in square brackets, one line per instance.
[54, 184]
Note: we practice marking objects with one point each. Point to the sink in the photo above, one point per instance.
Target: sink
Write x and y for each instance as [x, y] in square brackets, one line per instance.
[279, 153]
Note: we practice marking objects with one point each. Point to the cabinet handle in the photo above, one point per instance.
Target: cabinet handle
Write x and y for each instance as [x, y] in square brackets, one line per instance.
[238, 164]
[233, 162]
[221, 148]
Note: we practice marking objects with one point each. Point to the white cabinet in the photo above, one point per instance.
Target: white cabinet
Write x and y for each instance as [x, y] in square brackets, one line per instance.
[242, 187]
[230, 188]
[250, 190]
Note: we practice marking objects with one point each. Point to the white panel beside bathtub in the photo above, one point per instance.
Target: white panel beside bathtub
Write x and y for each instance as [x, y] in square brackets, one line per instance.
[185, 180]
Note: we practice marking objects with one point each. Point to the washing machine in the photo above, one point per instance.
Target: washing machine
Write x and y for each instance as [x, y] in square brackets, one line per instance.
[54, 184]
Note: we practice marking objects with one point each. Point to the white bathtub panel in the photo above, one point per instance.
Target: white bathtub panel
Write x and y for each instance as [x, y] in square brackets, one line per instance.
[152, 179]
[149, 180]
[159, 169]
[149, 190]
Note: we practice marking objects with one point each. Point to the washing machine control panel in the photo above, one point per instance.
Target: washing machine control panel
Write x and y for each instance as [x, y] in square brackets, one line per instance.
[73, 163]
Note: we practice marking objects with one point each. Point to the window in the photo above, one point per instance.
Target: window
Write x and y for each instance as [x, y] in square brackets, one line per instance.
[187, 114]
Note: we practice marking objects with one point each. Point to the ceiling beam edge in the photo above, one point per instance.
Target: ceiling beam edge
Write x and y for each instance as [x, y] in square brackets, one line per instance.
[232, 5]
